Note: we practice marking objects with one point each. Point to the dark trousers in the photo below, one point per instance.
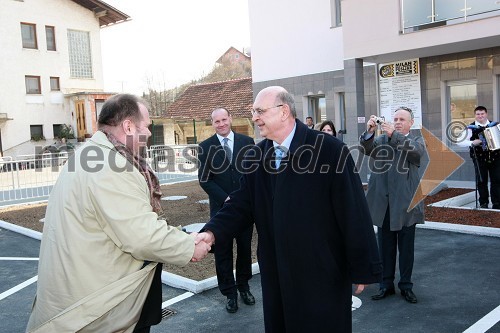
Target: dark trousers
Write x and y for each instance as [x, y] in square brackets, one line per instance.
[491, 171]
[389, 243]
[151, 310]
[224, 264]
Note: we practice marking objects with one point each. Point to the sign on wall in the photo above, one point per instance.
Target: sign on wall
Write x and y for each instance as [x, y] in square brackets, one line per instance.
[399, 85]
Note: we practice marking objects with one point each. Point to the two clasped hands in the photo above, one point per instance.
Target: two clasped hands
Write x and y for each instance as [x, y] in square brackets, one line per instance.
[202, 244]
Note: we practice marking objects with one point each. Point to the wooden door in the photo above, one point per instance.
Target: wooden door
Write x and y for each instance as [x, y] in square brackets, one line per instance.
[81, 128]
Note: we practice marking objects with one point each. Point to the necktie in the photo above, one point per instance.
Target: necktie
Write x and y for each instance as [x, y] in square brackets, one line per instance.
[229, 153]
[279, 155]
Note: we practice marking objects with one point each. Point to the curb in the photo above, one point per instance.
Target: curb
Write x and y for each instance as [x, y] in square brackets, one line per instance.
[461, 228]
[194, 286]
[21, 230]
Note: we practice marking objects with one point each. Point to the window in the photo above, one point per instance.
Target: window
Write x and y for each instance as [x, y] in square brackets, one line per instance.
[28, 34]
[98, 107]
[54, 83]
[336, 13]
[50, 36]
[462, 100]
[57, 130]
[80, 57]
[33, 84]
[36, 132]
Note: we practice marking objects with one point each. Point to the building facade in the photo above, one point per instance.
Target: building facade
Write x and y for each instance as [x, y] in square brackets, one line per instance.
[333, 56]
[51, 70]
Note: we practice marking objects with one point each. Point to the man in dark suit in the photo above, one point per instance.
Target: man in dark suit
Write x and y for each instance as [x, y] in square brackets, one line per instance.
[486, 161]
[219, 174]
[315, 233]
[393, 183]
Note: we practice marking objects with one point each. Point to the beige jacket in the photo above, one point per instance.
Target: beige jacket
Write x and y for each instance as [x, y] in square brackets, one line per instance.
[99, 229]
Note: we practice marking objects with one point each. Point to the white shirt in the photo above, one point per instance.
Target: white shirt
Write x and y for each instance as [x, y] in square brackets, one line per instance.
[287, 142]
[230, 141]
[464, 139]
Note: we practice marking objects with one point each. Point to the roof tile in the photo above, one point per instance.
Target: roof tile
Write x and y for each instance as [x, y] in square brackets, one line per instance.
[198, 101]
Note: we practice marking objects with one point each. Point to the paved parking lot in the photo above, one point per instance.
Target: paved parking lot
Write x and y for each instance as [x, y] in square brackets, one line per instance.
[456, 280]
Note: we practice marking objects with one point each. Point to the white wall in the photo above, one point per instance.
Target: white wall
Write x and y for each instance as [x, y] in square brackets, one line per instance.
[292, 38]
[45, 109]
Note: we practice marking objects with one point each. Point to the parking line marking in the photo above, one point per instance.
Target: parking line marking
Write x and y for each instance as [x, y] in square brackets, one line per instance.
[486, 322]
[16, 258]
[18, 287]
[176, 299]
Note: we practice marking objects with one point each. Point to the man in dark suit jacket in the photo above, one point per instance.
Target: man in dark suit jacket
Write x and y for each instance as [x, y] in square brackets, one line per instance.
[315, 232]
[486, 161]
[219, 174]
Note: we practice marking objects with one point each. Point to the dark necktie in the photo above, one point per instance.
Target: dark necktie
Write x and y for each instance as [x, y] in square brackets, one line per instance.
[229, 153]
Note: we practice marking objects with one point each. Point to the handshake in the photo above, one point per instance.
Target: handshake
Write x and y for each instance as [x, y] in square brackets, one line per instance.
[202, 244]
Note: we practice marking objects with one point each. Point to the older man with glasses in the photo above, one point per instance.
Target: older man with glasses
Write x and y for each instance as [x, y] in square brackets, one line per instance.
[315, 233]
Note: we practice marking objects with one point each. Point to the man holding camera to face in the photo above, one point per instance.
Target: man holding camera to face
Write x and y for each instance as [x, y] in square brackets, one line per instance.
[395, 159]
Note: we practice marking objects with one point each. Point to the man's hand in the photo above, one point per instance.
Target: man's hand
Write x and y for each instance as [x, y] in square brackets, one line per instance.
[371, 125]
[207, 237]
[388, 128]
[200, 251]
[359, 288]
[477, 142]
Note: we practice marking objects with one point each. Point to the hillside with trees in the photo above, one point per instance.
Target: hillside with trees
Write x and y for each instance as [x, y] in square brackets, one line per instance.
[159, 98]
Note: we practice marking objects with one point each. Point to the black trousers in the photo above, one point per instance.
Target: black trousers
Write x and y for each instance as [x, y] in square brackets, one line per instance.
[389, 243]
[224, 264]
[151, 310]
[491, 171]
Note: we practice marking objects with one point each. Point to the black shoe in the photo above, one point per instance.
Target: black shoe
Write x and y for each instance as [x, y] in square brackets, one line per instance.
[247, 297]
[485, 205]
[232, 305]
[383, 293]
[409, 296]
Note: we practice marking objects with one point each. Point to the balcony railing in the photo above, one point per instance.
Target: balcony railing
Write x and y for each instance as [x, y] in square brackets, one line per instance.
[424, 14]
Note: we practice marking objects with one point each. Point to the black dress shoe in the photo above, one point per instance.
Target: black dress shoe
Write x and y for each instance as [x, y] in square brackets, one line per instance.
[383, 293]
[232, 305]
[409, 296]
[247, 297]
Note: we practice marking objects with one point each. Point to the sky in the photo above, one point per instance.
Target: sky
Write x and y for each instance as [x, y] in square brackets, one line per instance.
[169, 42]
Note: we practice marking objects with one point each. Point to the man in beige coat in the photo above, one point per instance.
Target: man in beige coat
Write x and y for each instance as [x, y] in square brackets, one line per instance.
[103, 239]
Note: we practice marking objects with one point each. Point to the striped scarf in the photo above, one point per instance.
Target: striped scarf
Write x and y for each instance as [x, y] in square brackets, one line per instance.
[140, 163]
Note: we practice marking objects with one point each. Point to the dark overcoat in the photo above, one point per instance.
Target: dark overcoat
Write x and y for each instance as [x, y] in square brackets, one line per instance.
[213, 161]
[315, 232]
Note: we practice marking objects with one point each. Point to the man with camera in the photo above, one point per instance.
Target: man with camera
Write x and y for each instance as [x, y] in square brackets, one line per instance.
[395, 159]
[486, 161]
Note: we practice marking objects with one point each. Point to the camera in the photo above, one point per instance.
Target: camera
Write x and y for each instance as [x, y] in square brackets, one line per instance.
[379, 120]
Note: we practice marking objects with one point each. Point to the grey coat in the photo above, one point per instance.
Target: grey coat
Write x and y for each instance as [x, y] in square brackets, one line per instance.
[394, 178]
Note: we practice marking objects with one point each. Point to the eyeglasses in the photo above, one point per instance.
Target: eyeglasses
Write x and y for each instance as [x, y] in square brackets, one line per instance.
[260, 112]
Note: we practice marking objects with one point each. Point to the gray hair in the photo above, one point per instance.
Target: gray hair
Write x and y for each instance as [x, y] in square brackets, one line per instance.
[284, 97]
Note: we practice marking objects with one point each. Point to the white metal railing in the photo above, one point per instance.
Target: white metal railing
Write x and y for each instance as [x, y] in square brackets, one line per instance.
[31, 177]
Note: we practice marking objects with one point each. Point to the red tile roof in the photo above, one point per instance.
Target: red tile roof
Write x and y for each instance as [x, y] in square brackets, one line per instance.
[198, 101]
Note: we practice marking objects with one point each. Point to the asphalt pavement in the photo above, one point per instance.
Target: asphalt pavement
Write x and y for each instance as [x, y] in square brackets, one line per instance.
[456, 279]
